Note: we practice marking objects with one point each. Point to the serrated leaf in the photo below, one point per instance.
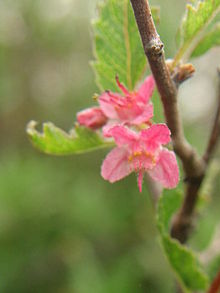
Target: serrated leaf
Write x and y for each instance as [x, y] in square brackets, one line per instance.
[182, 259]
[55, 141]
[210, 40]
[196, 19]
[118, 48]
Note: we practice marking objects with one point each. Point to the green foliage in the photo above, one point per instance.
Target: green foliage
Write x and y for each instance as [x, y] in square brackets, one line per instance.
[211, 39]
[118, 48]
[55, 141]
[183, 261]
[196, 19]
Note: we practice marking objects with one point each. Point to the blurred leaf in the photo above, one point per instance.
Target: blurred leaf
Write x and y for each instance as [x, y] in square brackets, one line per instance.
[55, 141]
[214, 267]
[207, 207]
[210, 40]
[118, 47]
[196, 19]
[205, 230]
[155, 10]
[183, 261]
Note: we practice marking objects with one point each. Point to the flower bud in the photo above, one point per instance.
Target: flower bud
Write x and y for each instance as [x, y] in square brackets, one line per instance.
[93, 118]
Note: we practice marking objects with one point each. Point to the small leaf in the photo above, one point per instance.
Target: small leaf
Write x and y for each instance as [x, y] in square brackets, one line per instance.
[210, 40]
[55, 141]
[183, 261]
[196, 19]
[118, 47]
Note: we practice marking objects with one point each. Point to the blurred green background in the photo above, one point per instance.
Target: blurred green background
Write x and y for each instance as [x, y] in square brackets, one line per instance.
[62, 227]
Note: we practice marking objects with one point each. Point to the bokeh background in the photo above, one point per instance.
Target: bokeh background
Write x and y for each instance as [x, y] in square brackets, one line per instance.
[62, 228]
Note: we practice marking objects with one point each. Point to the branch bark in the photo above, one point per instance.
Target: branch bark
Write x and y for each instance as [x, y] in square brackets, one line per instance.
[193, 165]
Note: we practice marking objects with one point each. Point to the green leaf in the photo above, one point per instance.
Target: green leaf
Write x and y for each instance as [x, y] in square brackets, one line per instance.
[182, 259]
[210, 40]
[55, 141]
[196, 19]
[118, 47]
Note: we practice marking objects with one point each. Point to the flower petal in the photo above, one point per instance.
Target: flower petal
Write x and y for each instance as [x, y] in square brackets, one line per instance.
[122, 135]
[145, 116]
[146, 89]
[116, 165]
[166, 170]
[155, 136]
[107, 106]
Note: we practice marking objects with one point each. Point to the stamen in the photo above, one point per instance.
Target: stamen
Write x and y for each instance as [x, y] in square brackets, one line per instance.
[137, 153]
[121, 86]
[130, 158]
[138, 163]
[116, 99]
[95, 97]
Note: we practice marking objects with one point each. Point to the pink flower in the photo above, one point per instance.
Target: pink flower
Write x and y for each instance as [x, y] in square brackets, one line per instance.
[132, 108]
[141, 152]
[93, 118]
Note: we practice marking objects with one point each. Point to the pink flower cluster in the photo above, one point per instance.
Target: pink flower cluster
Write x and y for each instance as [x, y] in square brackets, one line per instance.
[126, 119]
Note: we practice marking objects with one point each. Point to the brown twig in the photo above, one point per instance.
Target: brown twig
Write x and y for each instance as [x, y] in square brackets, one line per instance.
[193, 165]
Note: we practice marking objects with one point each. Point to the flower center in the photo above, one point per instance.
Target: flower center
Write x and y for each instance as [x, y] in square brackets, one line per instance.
[142, 159]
